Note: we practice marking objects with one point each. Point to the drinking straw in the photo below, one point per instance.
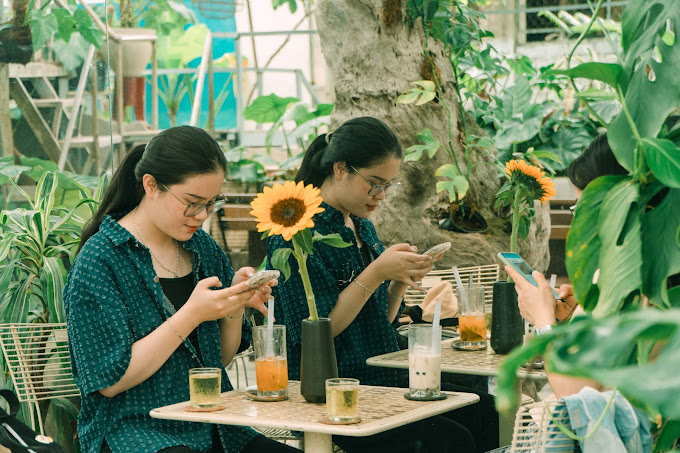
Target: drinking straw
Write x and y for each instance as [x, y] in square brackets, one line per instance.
[470, 285]
[553, 280]
[435, 322]
[461, 288]
[270, 328]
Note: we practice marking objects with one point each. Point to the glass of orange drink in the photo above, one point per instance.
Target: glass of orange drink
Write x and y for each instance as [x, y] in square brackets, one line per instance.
[471, 318]
[271, 363]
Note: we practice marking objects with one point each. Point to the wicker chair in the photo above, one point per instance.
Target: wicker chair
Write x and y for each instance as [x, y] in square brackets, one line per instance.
[39, 364]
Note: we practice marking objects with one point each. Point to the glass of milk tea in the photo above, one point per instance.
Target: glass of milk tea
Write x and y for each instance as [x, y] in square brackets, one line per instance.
[424, 361]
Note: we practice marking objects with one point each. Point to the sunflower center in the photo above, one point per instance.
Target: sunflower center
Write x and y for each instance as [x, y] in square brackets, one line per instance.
[288, 212]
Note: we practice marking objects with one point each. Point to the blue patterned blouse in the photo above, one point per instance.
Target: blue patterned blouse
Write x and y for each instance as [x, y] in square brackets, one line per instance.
[331, 270]
[111, 301]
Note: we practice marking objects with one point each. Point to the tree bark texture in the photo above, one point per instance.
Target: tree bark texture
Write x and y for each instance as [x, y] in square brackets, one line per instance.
[371, 64]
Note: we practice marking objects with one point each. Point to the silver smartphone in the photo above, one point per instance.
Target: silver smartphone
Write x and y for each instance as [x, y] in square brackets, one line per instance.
[516, 262]
[438, 249]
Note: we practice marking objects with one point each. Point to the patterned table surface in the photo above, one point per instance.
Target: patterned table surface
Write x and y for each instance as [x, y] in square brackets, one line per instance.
[380, 409]
[481, 363]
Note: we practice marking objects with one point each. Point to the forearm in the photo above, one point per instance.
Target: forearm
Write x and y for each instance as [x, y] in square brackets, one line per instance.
[394, 297]
[230, 336]
[352, 299]
[567, 385]
[152, 351]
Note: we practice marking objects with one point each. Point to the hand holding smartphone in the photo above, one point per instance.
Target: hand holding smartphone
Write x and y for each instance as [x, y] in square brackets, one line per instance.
[516, 262]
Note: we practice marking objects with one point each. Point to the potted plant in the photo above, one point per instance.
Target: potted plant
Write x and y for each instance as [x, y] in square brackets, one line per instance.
[288, 210]
[525, 185]
[36, 250]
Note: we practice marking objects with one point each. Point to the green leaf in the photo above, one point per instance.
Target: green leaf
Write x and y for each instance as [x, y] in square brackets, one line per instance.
[334, 240]
[280, 261]
[304, 240]
[668, 435]
[66, 23]
[663, 158]
[583, 242]
[292, 4]
[604, 72]
[597, 94]
[42, 29]
[431, 145]
[268, 109]
[661, 254]
[52, 277]
[458, 184]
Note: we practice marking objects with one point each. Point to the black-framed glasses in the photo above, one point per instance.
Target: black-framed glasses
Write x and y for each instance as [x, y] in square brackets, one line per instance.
[377, 188]
[194, 209]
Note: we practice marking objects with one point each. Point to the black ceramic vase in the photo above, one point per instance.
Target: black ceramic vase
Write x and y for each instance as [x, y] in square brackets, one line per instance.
[318, 359]
[507, 325]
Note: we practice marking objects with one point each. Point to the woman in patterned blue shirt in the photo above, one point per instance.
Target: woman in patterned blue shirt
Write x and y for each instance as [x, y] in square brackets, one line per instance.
[151, 295]
[361, 287]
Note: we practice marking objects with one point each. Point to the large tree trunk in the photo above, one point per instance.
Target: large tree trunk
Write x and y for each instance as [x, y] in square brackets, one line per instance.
[371, 64]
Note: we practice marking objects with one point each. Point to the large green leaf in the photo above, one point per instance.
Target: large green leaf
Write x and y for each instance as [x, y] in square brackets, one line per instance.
[583, 242]
[604, 72]
[42, 29]
[334, 240]
[621, 251]
[663, 158]
[654, 89]
[643, 24]
[661, 254]
[268, 109]
[280, 261]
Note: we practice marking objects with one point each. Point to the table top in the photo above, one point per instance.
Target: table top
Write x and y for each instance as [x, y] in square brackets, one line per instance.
[480, 363]
[380, 409]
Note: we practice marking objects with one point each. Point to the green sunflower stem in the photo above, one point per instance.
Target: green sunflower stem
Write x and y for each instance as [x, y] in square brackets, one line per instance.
[301, 258]
[515, 225]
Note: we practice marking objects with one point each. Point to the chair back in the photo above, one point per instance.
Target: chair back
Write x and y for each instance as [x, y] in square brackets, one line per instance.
[39, 363]
[484, 275]
[537, 429]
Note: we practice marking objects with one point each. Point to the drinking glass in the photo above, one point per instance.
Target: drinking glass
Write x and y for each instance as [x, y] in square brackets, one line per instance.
[271, 363]
[342, 399]
[471, 318]
[204, 387]
[424, 361]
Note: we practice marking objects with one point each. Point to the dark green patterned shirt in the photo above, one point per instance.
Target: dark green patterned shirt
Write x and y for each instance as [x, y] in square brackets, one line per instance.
[111, 302]
[330, 271]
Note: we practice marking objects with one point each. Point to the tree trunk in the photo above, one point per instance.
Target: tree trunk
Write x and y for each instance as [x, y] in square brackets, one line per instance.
[371, 65]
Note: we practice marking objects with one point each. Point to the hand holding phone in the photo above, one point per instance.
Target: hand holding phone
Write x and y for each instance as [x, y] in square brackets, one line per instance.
[438, 249]
[516, 262]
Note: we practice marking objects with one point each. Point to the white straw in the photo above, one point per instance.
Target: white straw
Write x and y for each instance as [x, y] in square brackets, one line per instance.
[270, 328]
[436, 338]
[553, 280]
[461, 288]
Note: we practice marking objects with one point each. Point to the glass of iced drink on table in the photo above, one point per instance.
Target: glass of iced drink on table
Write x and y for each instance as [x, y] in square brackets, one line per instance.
[204, 387]
[424, 361]
[271, 364]
[342, 399]
[471, 319]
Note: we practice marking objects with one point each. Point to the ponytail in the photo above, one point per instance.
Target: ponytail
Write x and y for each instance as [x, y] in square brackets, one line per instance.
[123, 194]
[312, 170]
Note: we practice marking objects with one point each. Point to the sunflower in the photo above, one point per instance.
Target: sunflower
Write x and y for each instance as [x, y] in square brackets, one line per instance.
[537, 184]
[286, 209]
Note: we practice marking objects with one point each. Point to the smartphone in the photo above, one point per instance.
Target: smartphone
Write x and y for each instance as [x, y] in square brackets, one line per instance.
[262, 277]
[516, 262]
[438, 249]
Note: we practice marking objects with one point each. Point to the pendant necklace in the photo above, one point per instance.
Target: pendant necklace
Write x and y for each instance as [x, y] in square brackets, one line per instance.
[156, 279]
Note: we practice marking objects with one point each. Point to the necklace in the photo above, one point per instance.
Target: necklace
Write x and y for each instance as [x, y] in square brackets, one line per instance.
[156, 278]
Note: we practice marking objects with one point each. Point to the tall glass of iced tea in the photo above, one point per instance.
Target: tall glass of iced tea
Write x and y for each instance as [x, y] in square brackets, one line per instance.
[471, 319]
[271, 364]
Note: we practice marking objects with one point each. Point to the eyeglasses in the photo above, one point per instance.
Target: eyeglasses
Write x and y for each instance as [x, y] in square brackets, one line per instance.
[194, 209]
[377, 188]
[572, 208]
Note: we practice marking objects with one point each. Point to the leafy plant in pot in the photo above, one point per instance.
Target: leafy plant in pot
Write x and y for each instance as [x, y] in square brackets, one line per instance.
[525, 185]
[288, 210]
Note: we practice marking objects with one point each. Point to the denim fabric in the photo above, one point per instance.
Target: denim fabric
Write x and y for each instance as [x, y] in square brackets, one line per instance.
[112, 301]
[623, 429]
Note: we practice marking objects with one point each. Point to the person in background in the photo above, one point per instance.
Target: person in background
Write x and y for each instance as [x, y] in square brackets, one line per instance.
[151, 295]
[361, 287]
